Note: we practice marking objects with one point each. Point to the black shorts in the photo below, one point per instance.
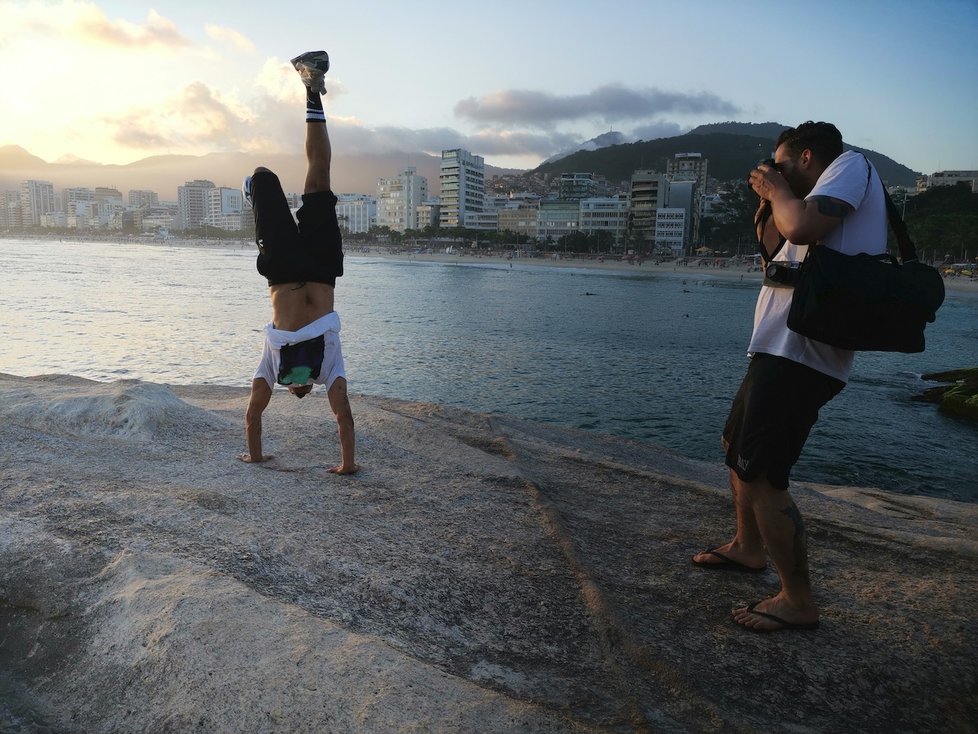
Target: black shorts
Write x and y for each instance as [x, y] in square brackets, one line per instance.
[772, 414]
[310, 251]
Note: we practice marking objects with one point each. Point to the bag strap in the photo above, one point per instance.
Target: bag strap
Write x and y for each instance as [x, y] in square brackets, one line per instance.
[908, 251]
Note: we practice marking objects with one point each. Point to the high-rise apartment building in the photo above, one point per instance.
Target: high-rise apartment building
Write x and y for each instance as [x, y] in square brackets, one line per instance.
[192, 203]
[77, 200]
[36, 198]
[142, 199]
[463, 186]
[688, 167]
[649, 192]
[398, 199]
[224, 208]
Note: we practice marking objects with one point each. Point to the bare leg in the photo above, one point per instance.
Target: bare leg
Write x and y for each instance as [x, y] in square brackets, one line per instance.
[747, 546]
[783, 532]
[319, 155]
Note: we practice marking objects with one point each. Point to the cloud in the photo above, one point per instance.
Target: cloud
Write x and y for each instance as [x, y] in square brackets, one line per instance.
[610, 102]
[658, 129]
[92, 24]
[229, 35]
[195, 119]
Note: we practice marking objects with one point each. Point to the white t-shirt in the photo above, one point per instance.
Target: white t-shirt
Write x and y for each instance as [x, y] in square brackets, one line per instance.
[328, 326]
[863, 230]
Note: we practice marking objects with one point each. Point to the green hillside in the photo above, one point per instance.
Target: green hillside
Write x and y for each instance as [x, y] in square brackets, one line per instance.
[731, 155]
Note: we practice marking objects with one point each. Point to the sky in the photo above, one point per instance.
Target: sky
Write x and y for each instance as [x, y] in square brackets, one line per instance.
[515, 82]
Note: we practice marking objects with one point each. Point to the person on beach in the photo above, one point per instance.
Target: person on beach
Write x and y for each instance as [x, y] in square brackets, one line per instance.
[814, 195]
[301, 262]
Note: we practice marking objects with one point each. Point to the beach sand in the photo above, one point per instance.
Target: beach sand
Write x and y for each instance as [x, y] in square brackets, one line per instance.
[480, 574]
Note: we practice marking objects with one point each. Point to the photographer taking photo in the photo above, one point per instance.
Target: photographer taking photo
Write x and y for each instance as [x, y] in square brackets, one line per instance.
[812, 195]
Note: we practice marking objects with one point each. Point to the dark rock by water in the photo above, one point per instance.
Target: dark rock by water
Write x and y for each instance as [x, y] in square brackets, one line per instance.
[959, 398]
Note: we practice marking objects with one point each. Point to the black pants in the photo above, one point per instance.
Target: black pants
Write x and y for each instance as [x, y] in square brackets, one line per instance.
[311, 250]
[772, 414]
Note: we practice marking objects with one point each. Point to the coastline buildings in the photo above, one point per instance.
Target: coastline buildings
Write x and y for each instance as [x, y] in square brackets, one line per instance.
[36, 199]
[649, 190]
[399, 198]
[356, 213]
[949, 178]
[225, 209]
[192, 204]
[462, 177]
[605, 214]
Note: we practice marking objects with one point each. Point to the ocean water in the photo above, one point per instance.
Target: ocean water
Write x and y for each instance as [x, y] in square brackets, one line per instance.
[652, 357]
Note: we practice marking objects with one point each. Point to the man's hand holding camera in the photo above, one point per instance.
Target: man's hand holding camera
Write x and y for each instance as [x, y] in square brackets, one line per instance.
[767, 182]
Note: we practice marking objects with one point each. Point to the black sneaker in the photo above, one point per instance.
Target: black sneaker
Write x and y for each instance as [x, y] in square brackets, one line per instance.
[312, 67]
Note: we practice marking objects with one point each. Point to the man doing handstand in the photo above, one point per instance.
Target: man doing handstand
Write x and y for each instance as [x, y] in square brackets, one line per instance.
[301, 262]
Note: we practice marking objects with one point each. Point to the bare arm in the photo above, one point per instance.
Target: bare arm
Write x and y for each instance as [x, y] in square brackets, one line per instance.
[802, 221]
[340, 404]
[261, 394]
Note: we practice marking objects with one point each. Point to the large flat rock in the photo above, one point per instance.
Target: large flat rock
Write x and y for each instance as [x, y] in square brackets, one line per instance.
[480, 574]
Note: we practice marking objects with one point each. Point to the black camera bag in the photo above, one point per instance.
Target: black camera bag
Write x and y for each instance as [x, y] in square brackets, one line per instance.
[871, 303]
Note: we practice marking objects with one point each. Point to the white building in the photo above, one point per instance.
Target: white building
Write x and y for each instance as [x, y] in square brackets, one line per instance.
[72, 196]
[605, 214]
[670, 229]
[356, 213]
[36, 199]
[952, 178]
[398, 199]
[484, 221]
[463, 186]
[557, 218]
[192, 203]
[225, 208]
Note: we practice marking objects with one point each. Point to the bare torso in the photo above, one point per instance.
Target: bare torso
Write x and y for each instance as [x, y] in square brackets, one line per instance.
[296, 304]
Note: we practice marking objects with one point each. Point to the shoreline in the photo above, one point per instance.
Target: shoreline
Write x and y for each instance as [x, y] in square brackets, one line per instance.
[722, 268]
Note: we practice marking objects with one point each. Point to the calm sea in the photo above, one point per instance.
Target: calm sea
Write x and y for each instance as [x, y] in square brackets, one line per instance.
[650, 357]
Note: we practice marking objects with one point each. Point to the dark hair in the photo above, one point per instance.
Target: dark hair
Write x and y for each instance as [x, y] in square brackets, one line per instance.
[822, 138]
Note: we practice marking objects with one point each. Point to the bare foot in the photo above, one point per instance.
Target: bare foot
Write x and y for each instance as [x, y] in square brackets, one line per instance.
[729, 556]
[342, 469]
[771, 615]
[246, 458]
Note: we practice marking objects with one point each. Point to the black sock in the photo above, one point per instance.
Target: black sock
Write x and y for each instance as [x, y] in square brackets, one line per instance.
[314, 106]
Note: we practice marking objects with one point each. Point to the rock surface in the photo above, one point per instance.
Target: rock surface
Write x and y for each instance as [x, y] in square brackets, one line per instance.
[480, 574]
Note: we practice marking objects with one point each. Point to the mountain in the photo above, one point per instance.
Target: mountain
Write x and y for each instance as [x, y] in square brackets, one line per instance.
[601, 141]
[164, 173]
[732, 149]
[766, 130]
[13, 156]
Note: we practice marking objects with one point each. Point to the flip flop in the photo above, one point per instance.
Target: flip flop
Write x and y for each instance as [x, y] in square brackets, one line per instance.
[728, 564]
[785, 624]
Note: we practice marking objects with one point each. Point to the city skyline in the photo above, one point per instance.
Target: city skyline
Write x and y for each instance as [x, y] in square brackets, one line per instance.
[128, 80]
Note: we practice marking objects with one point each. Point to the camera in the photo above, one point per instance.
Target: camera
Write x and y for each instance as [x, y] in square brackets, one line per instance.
[765, 162]
[782, 273]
